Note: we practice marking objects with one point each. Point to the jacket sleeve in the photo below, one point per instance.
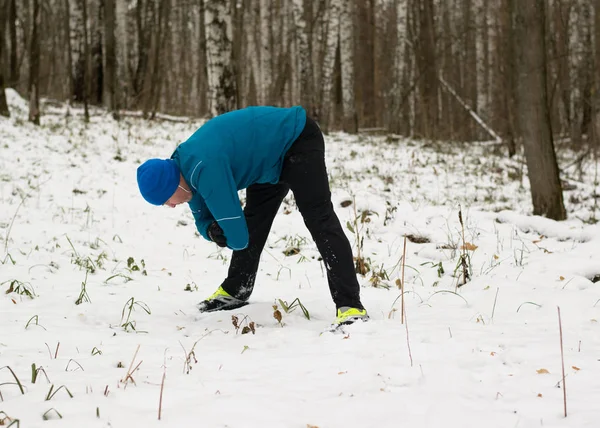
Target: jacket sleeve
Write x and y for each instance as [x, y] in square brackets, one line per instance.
[217, 187]
[202, 215]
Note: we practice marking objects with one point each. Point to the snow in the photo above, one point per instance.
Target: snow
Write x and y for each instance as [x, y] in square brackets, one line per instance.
[69, 204]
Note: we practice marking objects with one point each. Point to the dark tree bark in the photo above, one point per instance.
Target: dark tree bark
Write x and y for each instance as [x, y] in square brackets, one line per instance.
[365, 73]
[110, 63]
[13, 78]
[507, 79]
[142, 20]
[596, 87]
[202, 68]
[427, 113]
[532, 109]
[159, 44]
[34, 66]
[3, 104]
[86, 62]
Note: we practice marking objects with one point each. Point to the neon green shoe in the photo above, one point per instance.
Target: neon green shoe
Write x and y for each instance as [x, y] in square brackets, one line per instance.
[347, 315]
[220, 300]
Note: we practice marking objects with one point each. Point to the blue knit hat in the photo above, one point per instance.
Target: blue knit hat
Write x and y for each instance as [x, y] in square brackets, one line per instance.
[158, 180]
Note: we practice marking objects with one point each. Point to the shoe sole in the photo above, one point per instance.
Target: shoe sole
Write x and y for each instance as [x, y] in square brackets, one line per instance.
[227, 307]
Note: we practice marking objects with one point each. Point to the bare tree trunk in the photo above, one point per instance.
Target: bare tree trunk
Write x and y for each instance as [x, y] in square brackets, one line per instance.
[365, 51]
[34, 68]
[203, 65]
[3, 104]
[86, 63]
[596, 88]
[533, 111]
[302, 31]
[144, 17]
[333, 36]
[160, 37]
[350, 119]
[76, 48]
[470, 64]
[398, 123]
[221, 79]
[110, 62]
[13, 78]
[427, 116]
[122, 54]
[253, 91]
[266, 70]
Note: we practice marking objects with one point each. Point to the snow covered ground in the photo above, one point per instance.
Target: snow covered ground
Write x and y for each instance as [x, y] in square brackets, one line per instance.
[74, 230]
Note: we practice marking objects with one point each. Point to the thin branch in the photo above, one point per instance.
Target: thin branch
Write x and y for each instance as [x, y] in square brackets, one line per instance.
[562, 358]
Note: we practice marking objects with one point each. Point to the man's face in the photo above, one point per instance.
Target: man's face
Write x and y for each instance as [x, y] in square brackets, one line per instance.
[181, 195]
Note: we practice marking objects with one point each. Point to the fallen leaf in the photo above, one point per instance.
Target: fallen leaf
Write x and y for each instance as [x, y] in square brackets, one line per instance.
[496, 257]
[311, 426]
[540, 395]
[594, 320]
[542, 371]
[14, 301]
[562, 278]
[469, 247]
[343, 372]
[492, 353]
[575, 368]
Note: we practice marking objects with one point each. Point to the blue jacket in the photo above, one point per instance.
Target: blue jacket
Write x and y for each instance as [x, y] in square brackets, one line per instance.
[231, 152]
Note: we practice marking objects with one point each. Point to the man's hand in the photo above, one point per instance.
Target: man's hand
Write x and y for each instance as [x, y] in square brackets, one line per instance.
[215, 233]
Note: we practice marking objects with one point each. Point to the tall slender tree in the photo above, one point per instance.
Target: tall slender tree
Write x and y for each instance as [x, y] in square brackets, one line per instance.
[221, 78]
[304, 64]
[427, 115]
[3, 104]
[86, 61]
[349, 119]
[34, 65]
[332, 15]
[532, 108]
[266, 71]
[110, 59]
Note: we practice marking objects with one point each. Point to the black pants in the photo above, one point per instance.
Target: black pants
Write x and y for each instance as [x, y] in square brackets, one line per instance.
[305, 174]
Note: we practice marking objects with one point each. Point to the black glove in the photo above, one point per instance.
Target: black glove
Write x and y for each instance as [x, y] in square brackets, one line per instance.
[215, 233]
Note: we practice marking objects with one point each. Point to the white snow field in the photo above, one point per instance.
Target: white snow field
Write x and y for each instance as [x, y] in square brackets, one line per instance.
[74, 229]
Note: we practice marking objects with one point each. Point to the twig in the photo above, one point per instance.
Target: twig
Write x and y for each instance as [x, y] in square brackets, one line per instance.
[56, 351]
[408, 341]
[162, 386]
[129, 372]
[11, 225]
[402, 286]
[495, 299]
[562, 358]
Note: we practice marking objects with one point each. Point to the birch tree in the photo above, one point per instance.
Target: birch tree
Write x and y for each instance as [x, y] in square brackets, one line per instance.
[532, 108]
[221, 79]
[303, 55]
